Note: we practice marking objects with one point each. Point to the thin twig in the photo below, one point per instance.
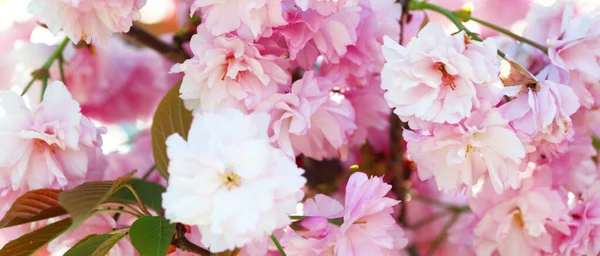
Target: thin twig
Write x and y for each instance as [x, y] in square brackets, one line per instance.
[147, 174]
[443, 234]
[429, 219]
[139, 200]
[123, 206]
[61, 68]
[42, 73]
[418, 5]
[185, 245]
[140, 36]
[101, 211]
[503, 31]
[278, 245]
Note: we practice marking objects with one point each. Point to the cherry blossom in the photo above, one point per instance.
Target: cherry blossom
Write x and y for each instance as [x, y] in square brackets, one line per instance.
[227, 71]
[519, 222]
[239, 171]
[87, 20]
[51, 145]
[434, 77]
[480, 146]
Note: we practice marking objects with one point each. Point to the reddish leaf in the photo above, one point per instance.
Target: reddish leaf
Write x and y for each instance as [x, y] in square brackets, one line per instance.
[33, 206]
[30, 243]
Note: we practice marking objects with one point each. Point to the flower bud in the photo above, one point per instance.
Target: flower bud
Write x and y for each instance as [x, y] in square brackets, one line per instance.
[312, 227]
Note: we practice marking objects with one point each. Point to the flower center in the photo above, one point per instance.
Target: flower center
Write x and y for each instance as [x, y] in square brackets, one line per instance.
[518, 219]
[41, 144]
[447, 79]
[230, 179]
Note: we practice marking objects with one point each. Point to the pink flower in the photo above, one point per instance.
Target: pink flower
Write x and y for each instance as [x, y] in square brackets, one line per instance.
[372, 115]
[52, 145]
[543, 112]
[569, 34]
[309, 35]
[291, 112]
[97, 224]
[435, 77]
[572, 167]
[369, 227]
[326, 7]
[87, 20]
[585, 226]
[116, 82]
[309, 121]
[226, 70]
[480, 146]
[377, 20]
[574, 47]
[321, 206]
[519, 222]
[249, 18]
[312, 227]
[332, 125]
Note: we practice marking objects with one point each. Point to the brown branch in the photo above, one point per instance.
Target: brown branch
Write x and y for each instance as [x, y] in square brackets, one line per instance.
[140, 36]
[397, 164]
[185, 245]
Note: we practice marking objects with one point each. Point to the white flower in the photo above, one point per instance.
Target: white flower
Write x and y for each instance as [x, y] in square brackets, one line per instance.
[229, 181]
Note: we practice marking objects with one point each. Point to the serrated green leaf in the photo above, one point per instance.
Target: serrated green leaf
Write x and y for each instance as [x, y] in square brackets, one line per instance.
[152, 235]
[29, 243]
[85, 198]
[150, 193]
[96, 245]
[32, 206]
[170, 117]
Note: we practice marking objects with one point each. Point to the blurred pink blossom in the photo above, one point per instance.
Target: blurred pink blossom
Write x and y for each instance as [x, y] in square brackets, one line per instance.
[87, 20]
[51, 146]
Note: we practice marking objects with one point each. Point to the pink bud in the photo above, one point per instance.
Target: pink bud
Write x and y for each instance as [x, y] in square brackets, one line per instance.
[312, 227]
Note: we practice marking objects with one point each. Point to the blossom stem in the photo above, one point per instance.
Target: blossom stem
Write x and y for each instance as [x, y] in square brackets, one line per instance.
[507, 32]
[139, 200]
[450, 207]
[61, 68]
[150, 171]
[42, 73]
[123, 206]
[119, 230]
[443, 235]
[418, 5]
[278, 245]
[44, 85]
[101, 211]
[429, 219]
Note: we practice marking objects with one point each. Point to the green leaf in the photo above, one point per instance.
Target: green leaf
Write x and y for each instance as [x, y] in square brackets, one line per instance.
[32, 206]
[85, 198]
[152, 235]
[149, 192]
[29, 243]
[96, 245]
[170, 117]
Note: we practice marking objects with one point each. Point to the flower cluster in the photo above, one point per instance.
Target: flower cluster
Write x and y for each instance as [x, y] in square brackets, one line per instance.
[302, 127]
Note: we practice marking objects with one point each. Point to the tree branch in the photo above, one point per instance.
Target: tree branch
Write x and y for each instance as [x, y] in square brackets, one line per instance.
[397, 165]
[185, 245]
[140, 36]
